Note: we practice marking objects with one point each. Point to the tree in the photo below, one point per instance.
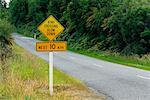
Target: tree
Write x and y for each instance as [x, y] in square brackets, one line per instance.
[117, 25]
[3, 10]
[37, 11]
[18, 11]
[57, 7]
[127, 25]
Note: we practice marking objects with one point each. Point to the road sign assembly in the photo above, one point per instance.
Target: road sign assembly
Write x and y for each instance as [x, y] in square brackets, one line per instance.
[51, 28]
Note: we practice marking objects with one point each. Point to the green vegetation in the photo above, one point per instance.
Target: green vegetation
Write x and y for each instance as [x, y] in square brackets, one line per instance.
[134, 61]
[121, 26]
[28, 79]
[94, 27]
[5, 40]
[24, 76]
[5, 33]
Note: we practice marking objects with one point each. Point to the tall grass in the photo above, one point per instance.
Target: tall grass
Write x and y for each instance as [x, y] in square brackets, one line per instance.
[5, 46]
[28, 80]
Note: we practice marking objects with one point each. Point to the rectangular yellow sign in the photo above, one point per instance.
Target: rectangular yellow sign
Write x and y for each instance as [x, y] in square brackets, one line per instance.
[51, 46]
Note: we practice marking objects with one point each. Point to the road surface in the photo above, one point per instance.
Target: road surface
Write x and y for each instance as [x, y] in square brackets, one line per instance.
[116, 81]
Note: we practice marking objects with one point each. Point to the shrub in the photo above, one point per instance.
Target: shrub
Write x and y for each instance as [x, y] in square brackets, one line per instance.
[130, 30]
[5, 44]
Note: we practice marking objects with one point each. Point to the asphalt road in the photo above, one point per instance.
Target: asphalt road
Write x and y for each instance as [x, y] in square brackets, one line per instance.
[116, 81]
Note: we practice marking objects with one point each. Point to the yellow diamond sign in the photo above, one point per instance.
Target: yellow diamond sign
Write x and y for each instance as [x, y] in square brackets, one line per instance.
[51, 28]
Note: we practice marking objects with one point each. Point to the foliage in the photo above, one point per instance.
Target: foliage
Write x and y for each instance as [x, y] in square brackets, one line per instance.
[3, 10]
[4, 14]
[129, 29]
[5, 46]
[117, 25]
[18, 11]
[5, 39]
[57, 7]
[37, 11]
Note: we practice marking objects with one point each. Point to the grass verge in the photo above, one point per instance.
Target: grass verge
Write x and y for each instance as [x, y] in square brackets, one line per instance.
[133, 61]
[28, 80]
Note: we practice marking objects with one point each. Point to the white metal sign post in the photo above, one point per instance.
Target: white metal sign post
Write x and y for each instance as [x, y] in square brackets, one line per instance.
[51, 72]
[51, 28]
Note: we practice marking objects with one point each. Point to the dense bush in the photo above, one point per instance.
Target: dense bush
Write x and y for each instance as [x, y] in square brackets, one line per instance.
[19, 10]
[129, 30]
[5, 39]
[117, 25]
[5, 46]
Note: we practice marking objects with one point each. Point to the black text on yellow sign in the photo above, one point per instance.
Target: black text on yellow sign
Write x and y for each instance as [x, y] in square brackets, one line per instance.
[51, 46]
[51, 28]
